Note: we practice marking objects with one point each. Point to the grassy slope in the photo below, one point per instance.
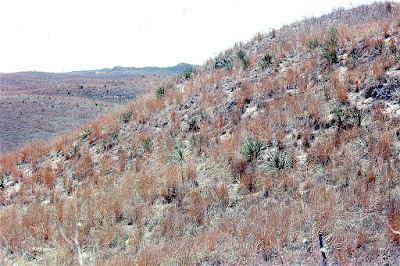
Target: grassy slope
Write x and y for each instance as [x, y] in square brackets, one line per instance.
[173, 185]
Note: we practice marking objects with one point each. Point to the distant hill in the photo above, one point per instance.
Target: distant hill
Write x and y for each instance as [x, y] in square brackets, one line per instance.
[179, 68]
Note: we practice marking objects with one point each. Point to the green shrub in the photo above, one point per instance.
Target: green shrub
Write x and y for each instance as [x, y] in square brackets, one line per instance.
[146, 146]
[160, 92]
[3, 182]
[202, 114]
[359, 116]
[126, 117]
[312, 44]
[187, 74]
[228, 64]
[277, 160]
[331, 36]
[339, 117]
[329, 52]
[393, 49]
[379, 45]
[252, 149]
[110, 142]
[192, 122]
[354, 58]
[180, 154]
[266, 61]
[241, 55]
[74, 150]
[86, 132]
[223, 63]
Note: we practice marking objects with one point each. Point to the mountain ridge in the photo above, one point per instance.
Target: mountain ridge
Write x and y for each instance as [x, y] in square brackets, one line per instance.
[177, 69]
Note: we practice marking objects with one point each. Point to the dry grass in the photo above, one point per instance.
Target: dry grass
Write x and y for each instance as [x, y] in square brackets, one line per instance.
[138, 200]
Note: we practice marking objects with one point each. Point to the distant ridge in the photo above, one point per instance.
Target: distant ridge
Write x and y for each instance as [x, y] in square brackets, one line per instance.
[179, 68]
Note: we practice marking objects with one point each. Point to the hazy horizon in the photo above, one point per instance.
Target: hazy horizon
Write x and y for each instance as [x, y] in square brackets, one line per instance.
[65, 36]
[94, 69]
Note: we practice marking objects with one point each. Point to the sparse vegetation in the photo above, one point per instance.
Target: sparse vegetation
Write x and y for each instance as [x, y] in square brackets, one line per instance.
[250, 167]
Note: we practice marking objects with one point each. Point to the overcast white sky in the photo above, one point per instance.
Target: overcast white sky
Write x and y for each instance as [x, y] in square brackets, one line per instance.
[66, 35]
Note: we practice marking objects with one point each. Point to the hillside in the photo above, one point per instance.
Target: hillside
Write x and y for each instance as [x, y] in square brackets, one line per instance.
[248, 160]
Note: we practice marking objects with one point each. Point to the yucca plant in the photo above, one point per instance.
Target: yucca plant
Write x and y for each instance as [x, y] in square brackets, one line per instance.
[147, 145]
[192, 122]
[339, 117]
[266, 61]
[241, 55]
[358, 116]
[223, 63]
[187, 74]
[379, 45]
[126, 116]
[109, 142]
[74, 150]
[277, 160]
[252, 149]
[228, 64]
[179, 155]
[86, 132]
[329, 52]
[160, 92]
[312, 44]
